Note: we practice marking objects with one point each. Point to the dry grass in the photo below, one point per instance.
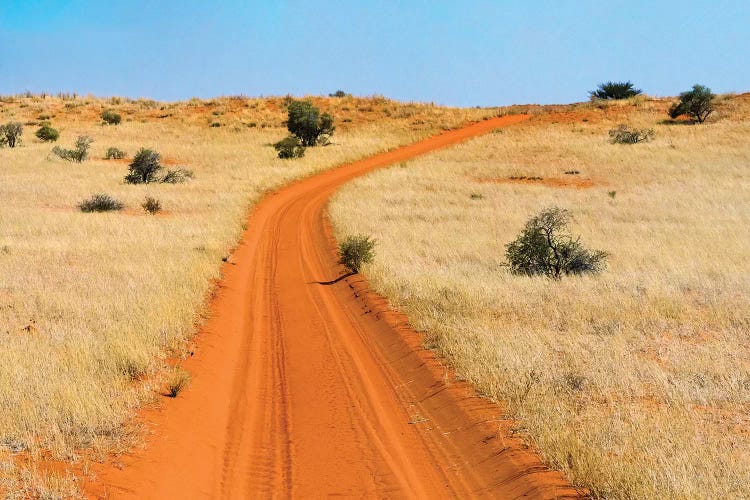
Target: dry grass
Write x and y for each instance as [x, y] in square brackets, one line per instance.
[636, 383]
[92, 304]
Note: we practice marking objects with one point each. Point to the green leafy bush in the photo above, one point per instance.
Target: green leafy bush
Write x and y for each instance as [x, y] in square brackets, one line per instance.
[338, 93]
[144, 168]
[355, 251]
[100, 203]
[290, 147]
[305, 122]
[10, 134]
[110, 117]
[79, 153]
[615, 90]
[114, 153]
[544, 248]
[625, 135]
[46, 133]
[696, 103]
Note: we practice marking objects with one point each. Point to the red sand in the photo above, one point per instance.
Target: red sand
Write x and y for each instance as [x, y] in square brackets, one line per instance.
[306, 389]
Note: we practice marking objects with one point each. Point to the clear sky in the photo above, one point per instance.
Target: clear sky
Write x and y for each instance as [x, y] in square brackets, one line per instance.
[459, 52]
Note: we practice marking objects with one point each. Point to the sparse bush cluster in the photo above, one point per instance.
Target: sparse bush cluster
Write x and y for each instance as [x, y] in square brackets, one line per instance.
[697, 103]
[355, 251]
[146, 168]
[10, 134]
[545, 248]
[626, 135]
[110, 117]
[79, 153]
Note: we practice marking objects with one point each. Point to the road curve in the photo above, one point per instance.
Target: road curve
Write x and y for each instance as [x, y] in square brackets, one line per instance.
[305, 389]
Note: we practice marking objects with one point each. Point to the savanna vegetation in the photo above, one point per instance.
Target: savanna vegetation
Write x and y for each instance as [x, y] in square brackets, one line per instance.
[635, 380]
[94, 304]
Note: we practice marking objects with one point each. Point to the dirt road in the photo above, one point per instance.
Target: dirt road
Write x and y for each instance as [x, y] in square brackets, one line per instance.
[305, 389]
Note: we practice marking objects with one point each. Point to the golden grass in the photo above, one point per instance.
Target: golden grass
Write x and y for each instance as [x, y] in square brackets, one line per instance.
[92, 304]
[637, 382]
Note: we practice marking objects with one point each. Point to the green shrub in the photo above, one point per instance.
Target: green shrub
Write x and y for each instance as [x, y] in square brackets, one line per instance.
[615, 90]
[114, 153]
[100, 203]
[696, 103]
[144, 167]
[544, 248]
[624, 135]
[79, 153]
[110, 117]
[151, 205]
[290, 147]
[10, 134]
[355, 251]
[338, 93]
[305, 122]
[46, 133]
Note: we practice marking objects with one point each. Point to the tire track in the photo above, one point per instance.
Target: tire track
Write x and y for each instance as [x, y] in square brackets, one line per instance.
[302, 389]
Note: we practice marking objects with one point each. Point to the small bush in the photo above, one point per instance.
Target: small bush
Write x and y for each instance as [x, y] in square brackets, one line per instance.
[110, 117]
[10, 134]
[544, 248]
[696, 103]
[615, 90]
[355, 251]
[144, 167]
[177, 176]
[46, 133]
[114, 154]
[338, 93]
[290, 147]
[177, 382]
[305, 121]
[151, 205]
[79, 153]
[100, 203]
[624, 135]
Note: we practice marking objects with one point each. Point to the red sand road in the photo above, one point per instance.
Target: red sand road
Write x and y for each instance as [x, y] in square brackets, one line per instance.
[305, 389]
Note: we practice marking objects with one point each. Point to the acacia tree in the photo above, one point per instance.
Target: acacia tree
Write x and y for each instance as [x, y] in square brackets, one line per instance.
[306, 123]
[696, 103]
[144, 167]
[615, 90]
[545, 248]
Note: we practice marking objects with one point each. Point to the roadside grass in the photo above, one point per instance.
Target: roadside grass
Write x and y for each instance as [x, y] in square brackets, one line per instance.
[91, 305]
[636, 383]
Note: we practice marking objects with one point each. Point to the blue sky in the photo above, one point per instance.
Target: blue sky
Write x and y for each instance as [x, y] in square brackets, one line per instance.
[449, 52]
